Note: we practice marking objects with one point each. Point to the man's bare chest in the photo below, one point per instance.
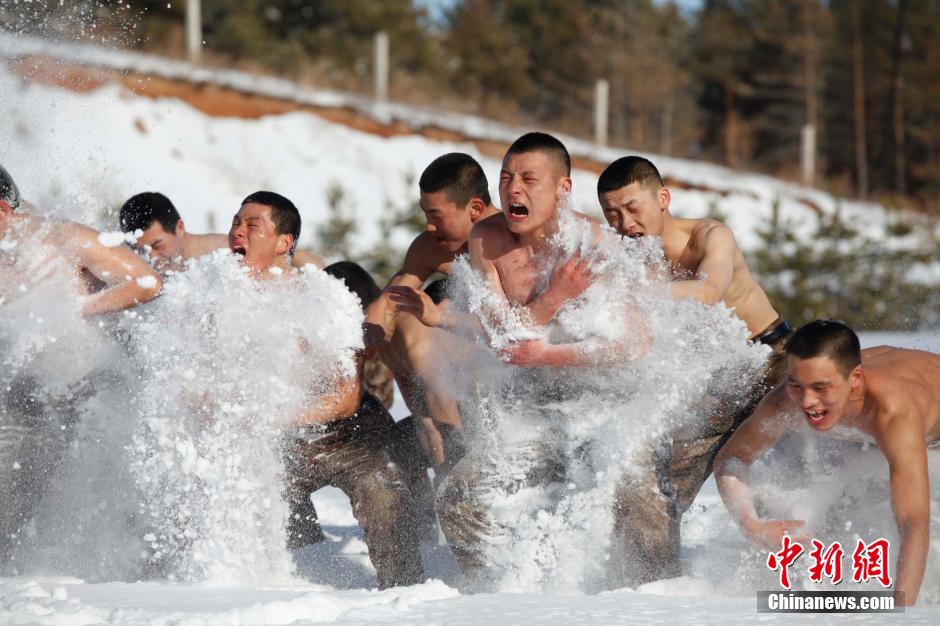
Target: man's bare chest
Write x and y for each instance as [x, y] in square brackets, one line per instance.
[520, 277]
[685, 264]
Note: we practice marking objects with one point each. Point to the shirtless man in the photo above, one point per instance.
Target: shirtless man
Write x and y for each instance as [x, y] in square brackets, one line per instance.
[454, 196]
[708, 267]
[165, 239]
[506, 248]
[340, 440]
[37, 254]
[890, 395]
[127, 281]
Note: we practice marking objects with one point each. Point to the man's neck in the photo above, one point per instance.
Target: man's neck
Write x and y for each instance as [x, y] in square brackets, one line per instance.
[675, 239]
[189, 247]
[859, 406]
[489, 211]
[277, 268]
[537, 240]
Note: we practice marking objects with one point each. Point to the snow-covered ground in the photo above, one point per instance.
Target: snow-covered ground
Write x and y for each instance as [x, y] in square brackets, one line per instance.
[336, 583]
[81, 154]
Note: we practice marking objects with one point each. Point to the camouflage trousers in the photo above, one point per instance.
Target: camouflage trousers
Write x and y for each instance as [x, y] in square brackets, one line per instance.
[34, 437]
[650, 501]
[351, 454]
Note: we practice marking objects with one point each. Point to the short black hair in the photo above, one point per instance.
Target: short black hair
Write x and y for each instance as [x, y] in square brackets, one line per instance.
[830, 339]
[459, 175]
[284, 214]
[437, 290]
[627, 170]
[8, 190]
[543, 142]
[357, 280]
[142, 210]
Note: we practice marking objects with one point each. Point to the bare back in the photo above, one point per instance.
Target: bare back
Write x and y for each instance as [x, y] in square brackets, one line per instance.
[201, 245]
[902, 384]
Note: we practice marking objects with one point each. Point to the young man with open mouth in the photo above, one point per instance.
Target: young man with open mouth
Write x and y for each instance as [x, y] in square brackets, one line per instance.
[887, 395]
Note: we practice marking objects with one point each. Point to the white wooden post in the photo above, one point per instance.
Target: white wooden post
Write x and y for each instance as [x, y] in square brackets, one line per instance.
[194, 30]
[381, 66]
[808, 154]
[601, 97]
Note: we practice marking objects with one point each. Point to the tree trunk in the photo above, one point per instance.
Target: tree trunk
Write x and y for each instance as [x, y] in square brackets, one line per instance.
[812, 104]
[858, 83]
[665, 137]
[897, 88]
[731, 126]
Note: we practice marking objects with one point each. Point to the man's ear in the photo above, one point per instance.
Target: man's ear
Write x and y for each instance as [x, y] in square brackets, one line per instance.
[566, 184]
[180, 228]
[664, 198]
[855, 377]
[476, 208]
[284, 244]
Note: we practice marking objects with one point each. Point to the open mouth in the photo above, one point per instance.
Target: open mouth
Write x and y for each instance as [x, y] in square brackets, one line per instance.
[634, 234]
[240, 250]
[816, 417]
[518, 211]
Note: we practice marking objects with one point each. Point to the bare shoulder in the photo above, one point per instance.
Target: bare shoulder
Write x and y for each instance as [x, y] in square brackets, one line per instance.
[423, 245]
[596, 229]
[708, 232]
[210, 242]
[72, 236]
[578, 215]
[425, 256]
[493, 225]
[490, 239]
[892, 363]
[491, 230]
[302, 258]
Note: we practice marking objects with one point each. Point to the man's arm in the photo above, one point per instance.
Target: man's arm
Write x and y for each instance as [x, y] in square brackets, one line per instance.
[588, 353]
[416, 269]
[568, 281]
[903, 445]
[341, 402]
[129, 279]
[715, 271]
[770, 421]
[416, 302]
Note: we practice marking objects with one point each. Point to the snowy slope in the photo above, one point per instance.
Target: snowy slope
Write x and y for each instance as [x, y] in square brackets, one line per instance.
[86, 152]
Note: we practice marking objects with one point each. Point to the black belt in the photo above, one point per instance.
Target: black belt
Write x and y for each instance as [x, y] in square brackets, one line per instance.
[775, 334]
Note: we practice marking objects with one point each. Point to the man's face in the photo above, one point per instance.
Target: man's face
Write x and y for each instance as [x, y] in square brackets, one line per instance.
[254, 236]
[162, 247]
[448, 223]
[531, 186]
[636, 210]
[820, 389]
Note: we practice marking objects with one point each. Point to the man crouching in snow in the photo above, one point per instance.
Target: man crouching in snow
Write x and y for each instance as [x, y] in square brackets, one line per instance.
[341, 440]
[886, 395]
